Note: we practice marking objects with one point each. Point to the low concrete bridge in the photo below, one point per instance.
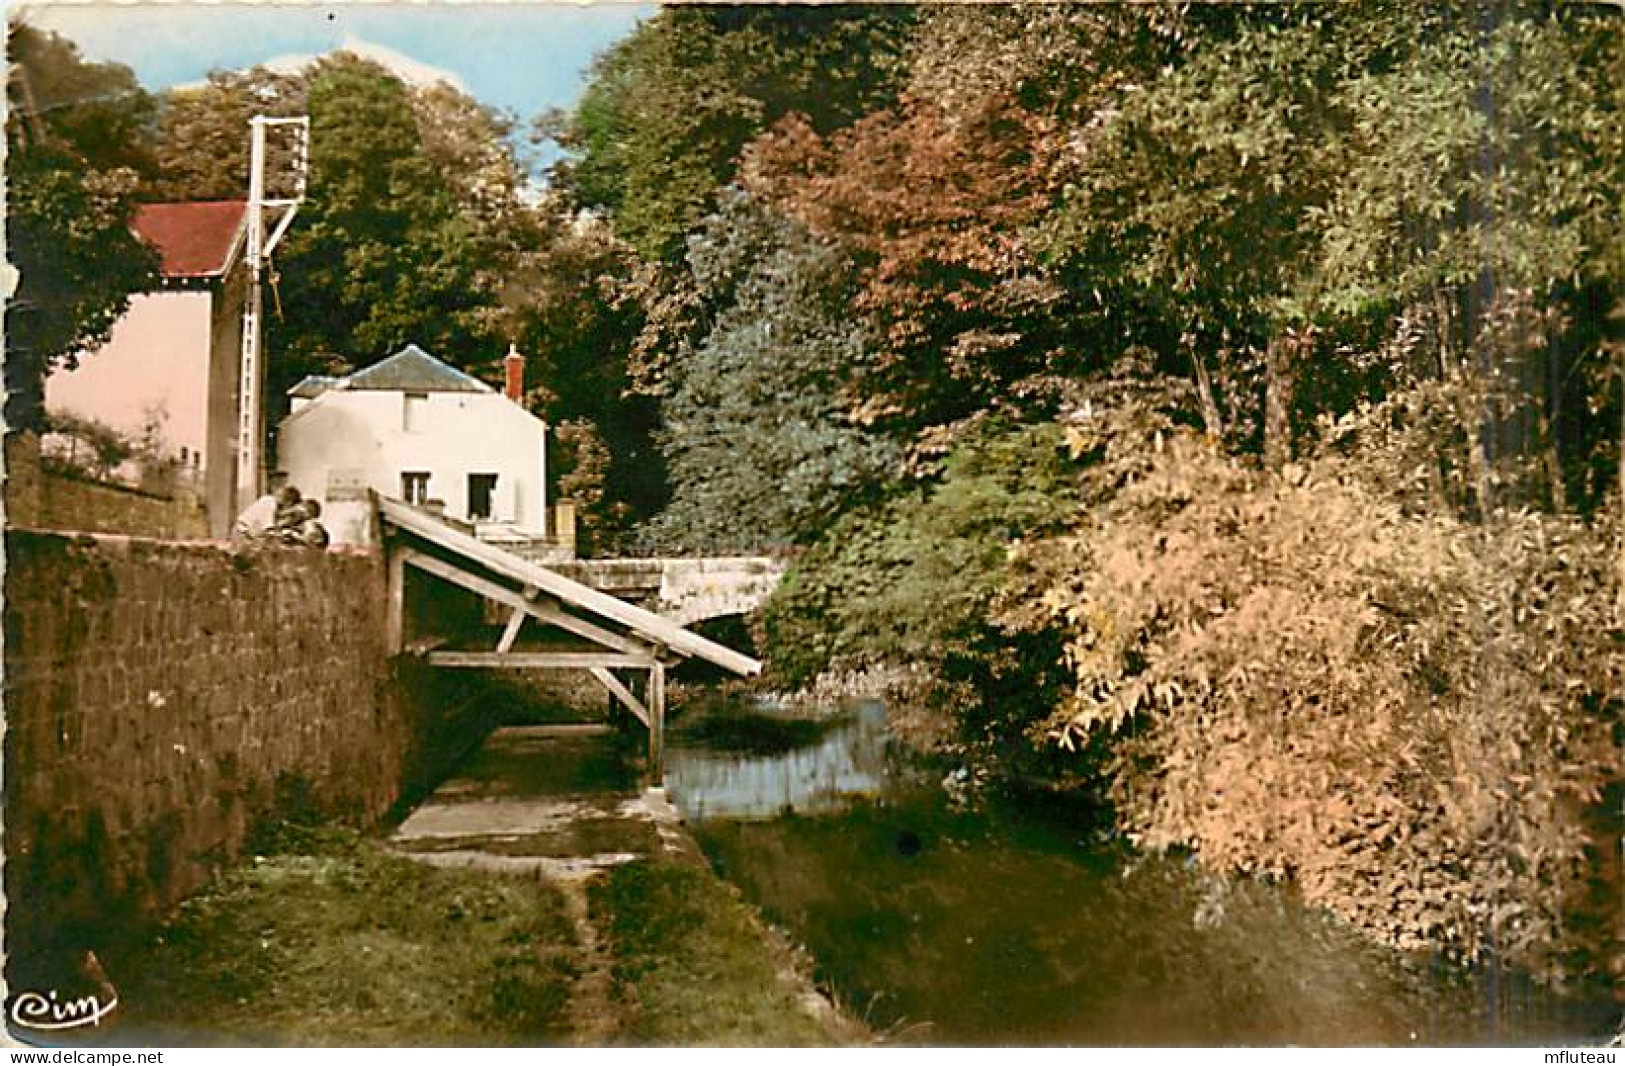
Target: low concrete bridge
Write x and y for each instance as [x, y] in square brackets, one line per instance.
[684, 590]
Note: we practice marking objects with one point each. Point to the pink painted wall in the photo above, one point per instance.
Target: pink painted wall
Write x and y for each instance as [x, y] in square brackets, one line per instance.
[158, 355]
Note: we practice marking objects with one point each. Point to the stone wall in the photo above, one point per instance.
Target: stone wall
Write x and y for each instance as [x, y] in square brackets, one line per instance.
[39, 498]
[163, 699]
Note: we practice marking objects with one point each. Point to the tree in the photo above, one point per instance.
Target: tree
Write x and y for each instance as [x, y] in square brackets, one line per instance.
[571, 309]
[756, 442]
[943, 194]
[1480, 200]
[1203, 187]
[936, 205]
[660, 126]
[202, 145]
[75, 154]
[382, 254]
[413, 220]
[1322, 178]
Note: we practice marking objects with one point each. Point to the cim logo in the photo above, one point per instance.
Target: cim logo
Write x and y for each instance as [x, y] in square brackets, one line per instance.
[46, 1011]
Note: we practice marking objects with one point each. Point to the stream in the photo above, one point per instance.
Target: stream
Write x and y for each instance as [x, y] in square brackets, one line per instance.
[1005, 922]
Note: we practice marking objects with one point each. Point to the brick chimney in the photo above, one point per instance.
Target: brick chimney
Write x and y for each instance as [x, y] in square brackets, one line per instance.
[513, 365]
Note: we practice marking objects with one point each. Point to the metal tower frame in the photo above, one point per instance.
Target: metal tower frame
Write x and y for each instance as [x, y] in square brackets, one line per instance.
[250, 405]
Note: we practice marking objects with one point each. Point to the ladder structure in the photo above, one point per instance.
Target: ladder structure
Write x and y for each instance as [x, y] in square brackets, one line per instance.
[258, 248]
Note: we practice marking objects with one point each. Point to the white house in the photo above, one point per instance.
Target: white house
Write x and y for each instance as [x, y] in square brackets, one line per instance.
[412, 428]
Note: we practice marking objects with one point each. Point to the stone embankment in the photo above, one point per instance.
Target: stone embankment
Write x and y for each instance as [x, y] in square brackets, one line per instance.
[163, 699]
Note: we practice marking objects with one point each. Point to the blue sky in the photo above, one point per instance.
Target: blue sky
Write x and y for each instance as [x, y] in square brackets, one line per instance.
[521, 57]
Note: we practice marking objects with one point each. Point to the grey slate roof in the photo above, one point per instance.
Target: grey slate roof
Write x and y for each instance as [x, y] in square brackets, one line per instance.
[413, 370]
[313, 385]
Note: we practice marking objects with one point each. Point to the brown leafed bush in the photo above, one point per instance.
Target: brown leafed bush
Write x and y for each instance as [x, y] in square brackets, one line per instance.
[1407, 714]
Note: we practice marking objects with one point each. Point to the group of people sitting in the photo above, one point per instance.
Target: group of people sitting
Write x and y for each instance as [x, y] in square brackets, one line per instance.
[284, 516]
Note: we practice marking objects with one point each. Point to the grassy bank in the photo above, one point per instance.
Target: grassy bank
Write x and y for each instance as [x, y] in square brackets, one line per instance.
[335, 941]
[690, 965]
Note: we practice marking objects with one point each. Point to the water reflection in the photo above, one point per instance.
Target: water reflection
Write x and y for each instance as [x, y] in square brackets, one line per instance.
[750, 766]
[1007, 924]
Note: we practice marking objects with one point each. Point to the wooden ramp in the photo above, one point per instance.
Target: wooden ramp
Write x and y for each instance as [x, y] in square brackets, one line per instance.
[609, 634]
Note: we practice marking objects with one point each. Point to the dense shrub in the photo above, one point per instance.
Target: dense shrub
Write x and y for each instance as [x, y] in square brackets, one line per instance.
[909, 581]
[1405, 712]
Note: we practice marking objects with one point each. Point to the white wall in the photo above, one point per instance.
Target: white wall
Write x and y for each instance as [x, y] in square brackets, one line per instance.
[156, 358]
[360, 436]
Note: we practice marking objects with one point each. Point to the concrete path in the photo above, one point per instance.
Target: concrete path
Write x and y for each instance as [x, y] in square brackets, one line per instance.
[560, 802]
[559, 799]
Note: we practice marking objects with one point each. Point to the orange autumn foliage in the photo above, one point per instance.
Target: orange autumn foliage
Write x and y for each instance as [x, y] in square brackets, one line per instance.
[1405, 713]
[935, 205]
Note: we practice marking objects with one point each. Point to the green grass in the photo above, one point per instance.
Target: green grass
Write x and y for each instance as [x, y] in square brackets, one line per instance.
[691, 965]
[338, 942]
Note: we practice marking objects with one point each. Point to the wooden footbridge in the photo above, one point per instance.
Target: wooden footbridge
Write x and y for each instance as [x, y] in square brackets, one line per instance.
[571, 625]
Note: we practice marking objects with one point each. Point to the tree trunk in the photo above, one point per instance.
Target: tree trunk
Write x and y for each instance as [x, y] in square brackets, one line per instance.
[1554, 466]
[1212, 421]
[1278, 367]
[1473, 423]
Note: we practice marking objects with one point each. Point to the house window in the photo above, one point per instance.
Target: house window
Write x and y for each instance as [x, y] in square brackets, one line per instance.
[412, 410]
[415, 486]
[481, 489]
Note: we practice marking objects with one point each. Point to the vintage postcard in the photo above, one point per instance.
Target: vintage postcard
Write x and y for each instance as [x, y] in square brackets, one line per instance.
[833, 525]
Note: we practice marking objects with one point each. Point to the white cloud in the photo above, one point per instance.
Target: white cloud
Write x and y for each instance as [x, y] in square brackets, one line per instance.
[403, 66]
[411, 71]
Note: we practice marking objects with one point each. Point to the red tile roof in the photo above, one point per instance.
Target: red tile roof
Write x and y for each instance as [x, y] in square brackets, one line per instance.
[195, 240]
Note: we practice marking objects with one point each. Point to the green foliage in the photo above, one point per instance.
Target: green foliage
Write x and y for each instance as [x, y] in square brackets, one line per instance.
[383, 254]
[911, 580]
[202, 142]
[1407, 714]
[105, 448]
[568, 305]
[1287, 187]
[1479, 153]
[755, 442]
[661, 124]
[413, 229]
[75, 151]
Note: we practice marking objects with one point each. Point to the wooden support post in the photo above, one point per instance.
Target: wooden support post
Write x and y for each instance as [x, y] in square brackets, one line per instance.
[511, 633]
[622, 693]
[395, 603]
[657, 717]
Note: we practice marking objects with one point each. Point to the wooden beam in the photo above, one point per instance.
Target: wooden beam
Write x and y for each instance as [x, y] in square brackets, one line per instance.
[540, 660]
[657, 716]
[395, 602]
[553, 615]
[511, 633]
[644, 623]
[622, 693]
[458, 576]
[549, 613]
